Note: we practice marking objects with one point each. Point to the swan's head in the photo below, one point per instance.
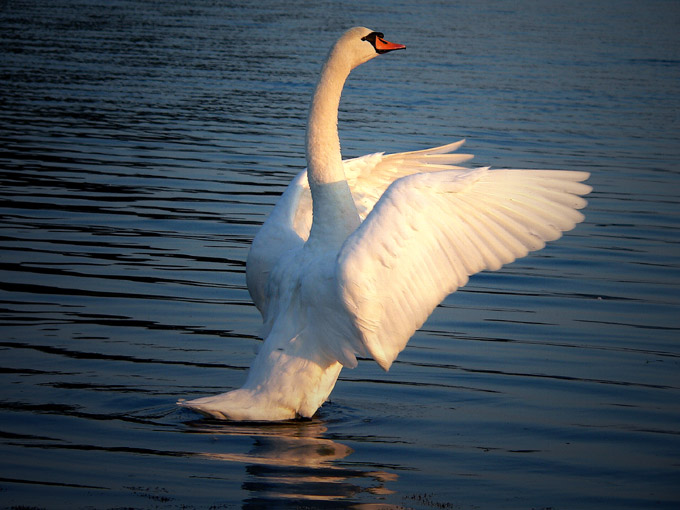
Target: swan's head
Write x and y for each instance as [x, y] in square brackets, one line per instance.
[361, 44]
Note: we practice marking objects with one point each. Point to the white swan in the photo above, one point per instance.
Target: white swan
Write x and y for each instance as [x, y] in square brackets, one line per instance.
[357, 254]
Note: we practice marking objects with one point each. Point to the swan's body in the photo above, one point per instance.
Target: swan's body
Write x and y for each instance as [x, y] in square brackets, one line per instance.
[357, 254]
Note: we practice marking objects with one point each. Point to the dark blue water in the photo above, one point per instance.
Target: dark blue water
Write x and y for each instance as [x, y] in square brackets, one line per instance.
[141, 146]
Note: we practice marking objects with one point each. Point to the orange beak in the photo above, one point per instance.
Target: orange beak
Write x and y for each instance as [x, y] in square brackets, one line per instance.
[383, 46]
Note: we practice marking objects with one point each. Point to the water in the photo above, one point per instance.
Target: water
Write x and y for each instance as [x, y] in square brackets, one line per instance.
[142, 144]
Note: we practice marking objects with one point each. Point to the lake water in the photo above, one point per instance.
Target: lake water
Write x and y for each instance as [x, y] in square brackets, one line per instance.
[143, 143]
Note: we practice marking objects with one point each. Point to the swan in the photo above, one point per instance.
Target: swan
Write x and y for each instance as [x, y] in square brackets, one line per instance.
[356, 254]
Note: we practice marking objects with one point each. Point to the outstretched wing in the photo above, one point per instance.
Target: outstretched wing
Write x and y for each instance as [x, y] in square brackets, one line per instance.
[369, 176]
[282, 231]
[430, 231]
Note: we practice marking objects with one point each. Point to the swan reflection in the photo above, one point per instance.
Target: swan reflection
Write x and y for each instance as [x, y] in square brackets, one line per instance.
[292, 463]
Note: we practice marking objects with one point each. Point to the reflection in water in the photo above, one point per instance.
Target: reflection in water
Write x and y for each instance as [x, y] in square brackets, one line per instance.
[292, 462]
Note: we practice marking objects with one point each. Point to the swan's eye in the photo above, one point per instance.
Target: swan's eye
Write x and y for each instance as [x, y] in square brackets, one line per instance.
[372, 37]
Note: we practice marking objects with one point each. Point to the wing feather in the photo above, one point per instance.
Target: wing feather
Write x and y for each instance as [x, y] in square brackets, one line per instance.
[369, 176]
[278, 234]
[430, 232]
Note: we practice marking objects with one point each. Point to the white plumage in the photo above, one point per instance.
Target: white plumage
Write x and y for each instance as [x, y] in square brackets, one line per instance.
[357, 254]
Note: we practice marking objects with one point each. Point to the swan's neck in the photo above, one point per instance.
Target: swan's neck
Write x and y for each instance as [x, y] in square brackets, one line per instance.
[334, 213]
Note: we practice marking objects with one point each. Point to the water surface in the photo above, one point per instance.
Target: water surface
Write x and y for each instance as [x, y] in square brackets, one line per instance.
[143, 144]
